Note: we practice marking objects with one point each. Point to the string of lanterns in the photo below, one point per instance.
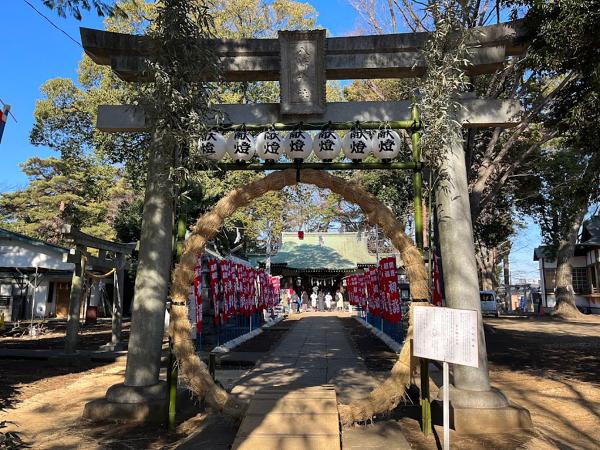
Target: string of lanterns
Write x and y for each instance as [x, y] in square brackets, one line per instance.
[358, 143]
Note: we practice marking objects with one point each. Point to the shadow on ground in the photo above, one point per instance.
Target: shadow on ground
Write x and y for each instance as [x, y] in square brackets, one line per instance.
[549, 348]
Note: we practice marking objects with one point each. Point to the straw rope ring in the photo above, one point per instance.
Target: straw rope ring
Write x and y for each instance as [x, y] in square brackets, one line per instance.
[382, 399]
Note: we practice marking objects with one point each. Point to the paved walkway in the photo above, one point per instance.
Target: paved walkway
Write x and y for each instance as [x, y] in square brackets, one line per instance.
[314, 352]
[293, 390]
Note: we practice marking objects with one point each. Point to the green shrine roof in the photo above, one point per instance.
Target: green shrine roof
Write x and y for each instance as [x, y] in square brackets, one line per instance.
[330, 251]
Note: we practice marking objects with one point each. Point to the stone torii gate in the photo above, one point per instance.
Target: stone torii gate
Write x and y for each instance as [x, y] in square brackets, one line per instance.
[302, 62]
[109, 255]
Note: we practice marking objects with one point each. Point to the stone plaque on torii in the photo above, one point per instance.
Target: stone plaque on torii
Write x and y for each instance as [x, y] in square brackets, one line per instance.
[302, 62]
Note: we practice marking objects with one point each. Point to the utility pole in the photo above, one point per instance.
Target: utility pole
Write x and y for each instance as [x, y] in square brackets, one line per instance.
[506, 268]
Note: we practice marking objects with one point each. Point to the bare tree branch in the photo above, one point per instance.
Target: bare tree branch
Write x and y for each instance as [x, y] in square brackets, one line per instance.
[488, 167]
[392, 15]
[417, 23]
[510, 168]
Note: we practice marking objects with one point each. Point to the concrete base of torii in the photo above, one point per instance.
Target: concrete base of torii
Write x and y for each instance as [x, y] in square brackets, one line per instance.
[481, 412]
[130, 404]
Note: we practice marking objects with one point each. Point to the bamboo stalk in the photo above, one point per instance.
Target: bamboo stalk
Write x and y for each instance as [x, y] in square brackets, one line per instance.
[404, 165]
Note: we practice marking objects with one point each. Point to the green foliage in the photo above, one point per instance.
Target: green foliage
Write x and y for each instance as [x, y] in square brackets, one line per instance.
[237, 19]
[74, 7]
[558, 189]
[446, 58]
[379, 90]
[62, 119]
[260, 19]
[564, 37]
[65, 117]
[78, 191]
[175, 100]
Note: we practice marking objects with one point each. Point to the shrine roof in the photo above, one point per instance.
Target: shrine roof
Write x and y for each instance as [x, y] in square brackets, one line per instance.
[325, 250]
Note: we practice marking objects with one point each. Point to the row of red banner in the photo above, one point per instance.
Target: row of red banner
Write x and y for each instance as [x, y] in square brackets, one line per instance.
[235, 288]
[377, 289]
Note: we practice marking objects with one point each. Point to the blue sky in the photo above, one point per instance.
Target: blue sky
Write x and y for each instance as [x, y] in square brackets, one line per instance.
[34, 52]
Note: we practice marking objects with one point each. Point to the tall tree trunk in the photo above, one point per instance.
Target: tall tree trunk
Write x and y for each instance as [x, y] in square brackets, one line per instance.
[486, 266]
[565, 295]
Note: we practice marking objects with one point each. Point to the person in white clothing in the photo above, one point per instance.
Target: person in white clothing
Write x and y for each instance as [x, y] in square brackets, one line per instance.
[339, 300]
[328, 299]
[313, 301]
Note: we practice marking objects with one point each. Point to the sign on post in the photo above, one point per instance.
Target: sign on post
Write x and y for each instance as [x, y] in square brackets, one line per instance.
[448, 335]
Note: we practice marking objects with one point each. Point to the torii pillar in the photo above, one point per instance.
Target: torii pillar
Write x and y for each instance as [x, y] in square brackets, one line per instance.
[476, 406]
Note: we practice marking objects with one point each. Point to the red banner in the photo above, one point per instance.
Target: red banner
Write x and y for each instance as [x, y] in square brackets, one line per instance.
[375, 297]
[238, 299]
[253, 281]
[389, 278]
[261, 289]
[198, 292]
[228, 289]
[351, 285]
[213, 269]
[275, 288]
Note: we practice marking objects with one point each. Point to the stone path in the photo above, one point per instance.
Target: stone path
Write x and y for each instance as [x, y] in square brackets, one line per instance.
[314, 352]
[293, 390]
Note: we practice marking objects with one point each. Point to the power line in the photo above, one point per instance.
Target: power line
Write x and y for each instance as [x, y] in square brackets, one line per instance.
[53, 24]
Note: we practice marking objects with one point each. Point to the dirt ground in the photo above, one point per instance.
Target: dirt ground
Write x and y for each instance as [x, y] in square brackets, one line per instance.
[550, 367]
[90, 336]
[45, 397]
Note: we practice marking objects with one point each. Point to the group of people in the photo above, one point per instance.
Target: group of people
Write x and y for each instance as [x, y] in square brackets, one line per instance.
[317, 301]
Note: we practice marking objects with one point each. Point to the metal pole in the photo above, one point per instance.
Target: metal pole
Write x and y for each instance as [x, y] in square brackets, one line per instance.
[446, 406]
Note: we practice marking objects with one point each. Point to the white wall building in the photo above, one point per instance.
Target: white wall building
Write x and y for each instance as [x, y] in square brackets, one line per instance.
[586, 270]
[33, 277]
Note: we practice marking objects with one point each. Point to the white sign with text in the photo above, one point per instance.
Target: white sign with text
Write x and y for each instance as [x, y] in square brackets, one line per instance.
[446, 334]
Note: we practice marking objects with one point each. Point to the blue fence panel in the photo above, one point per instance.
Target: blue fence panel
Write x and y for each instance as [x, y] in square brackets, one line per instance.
[396, 331]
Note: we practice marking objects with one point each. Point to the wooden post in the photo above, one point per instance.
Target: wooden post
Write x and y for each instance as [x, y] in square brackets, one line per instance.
[117, 312]
[75, 302]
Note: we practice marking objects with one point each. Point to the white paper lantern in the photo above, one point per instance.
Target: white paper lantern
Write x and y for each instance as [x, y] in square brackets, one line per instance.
[240, 145]
[269, 145]
[357, 144]
[386, 144]
[327, 145]
[298, 145]
[212, 146]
